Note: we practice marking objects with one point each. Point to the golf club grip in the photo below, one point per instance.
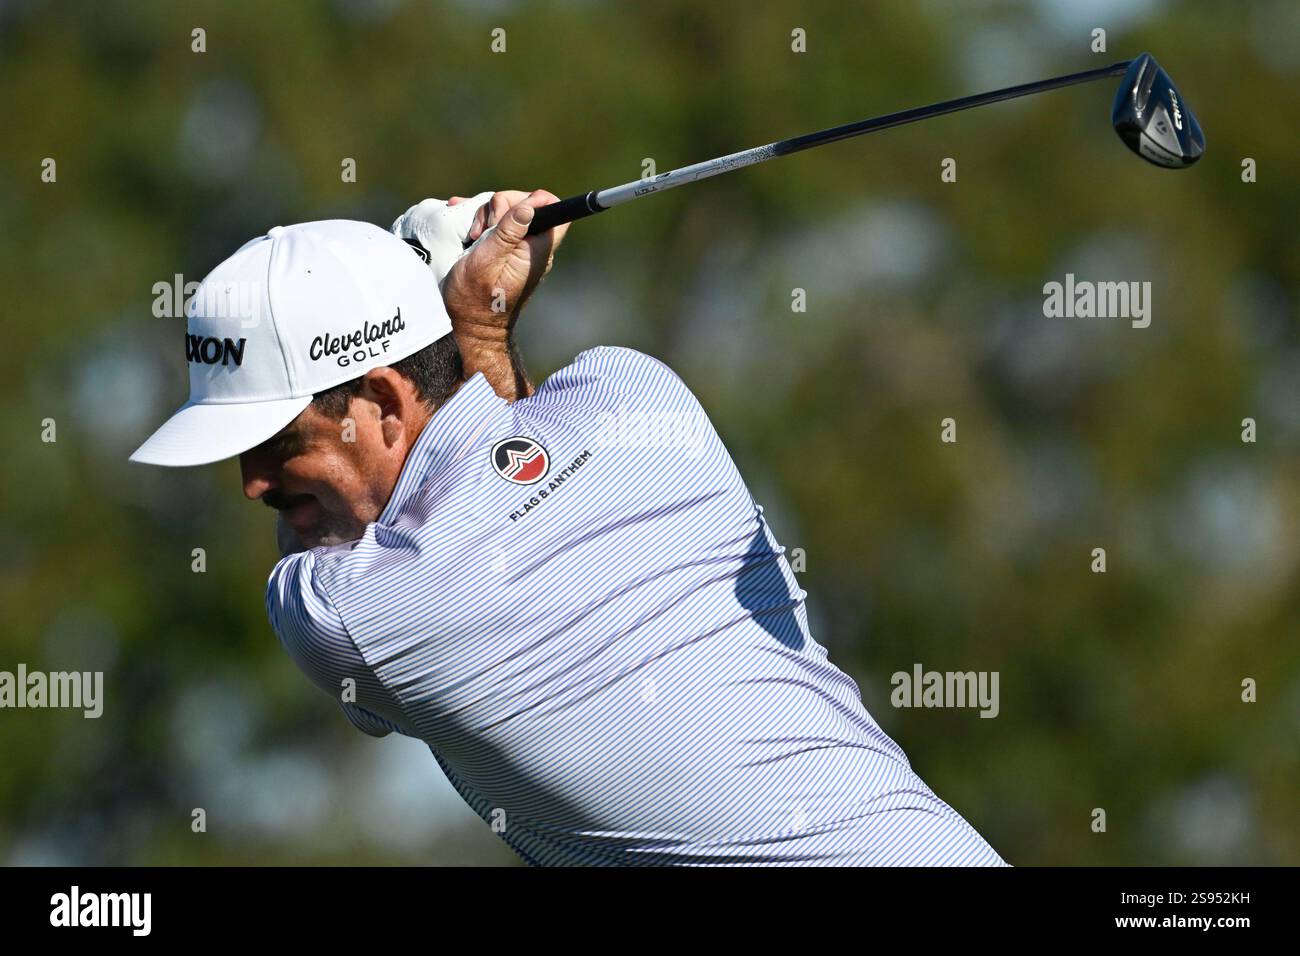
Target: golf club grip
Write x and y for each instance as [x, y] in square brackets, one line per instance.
[566, 210]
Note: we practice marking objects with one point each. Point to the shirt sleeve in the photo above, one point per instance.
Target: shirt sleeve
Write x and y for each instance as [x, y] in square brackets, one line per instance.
[614, 377]
[368, 723]
[313, 633]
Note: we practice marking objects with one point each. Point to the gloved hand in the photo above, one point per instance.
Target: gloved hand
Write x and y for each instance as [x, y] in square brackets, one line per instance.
[441, 229]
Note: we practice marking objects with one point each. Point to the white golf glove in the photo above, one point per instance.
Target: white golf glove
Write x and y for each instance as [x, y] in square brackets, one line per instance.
[441, 229]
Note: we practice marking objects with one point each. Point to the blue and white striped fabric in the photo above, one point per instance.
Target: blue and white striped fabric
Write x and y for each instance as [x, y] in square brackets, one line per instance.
[612, 664]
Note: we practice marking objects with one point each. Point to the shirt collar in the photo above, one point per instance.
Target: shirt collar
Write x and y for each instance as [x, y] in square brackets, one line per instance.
[446, 437]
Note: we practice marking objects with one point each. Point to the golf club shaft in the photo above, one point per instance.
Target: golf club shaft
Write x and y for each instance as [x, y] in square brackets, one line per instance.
[576, 207]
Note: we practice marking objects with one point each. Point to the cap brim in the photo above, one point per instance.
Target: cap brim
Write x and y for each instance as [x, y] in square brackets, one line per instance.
[200, 434]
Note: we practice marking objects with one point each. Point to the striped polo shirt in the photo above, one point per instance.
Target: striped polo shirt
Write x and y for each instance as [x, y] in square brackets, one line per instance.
[575, 602]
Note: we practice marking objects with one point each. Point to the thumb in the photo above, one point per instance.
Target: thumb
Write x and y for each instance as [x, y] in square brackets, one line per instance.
[511, 230]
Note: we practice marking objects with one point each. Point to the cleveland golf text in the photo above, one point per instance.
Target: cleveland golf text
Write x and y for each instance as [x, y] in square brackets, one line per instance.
[369, 334]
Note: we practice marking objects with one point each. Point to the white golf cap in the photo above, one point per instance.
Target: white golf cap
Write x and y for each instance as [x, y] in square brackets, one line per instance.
[290, 314]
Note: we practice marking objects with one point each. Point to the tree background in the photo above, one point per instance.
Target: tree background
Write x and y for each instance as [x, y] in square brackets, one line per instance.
[1119, 690]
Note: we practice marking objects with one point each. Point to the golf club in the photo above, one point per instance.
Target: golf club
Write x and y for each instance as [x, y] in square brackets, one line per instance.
[1149, 115]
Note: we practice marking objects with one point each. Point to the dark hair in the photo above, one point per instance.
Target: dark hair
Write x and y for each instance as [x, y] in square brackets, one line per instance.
[435, 371]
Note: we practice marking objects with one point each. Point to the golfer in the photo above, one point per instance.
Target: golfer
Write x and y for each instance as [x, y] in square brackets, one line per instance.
[568, 594]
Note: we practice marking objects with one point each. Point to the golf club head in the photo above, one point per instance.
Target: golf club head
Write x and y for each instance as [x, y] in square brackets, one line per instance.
[1153, 119]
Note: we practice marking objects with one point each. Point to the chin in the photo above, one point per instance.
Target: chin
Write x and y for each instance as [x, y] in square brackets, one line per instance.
[330, 538]
[325, 534]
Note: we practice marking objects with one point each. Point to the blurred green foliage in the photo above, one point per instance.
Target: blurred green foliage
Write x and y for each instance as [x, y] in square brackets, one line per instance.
[1119, 691]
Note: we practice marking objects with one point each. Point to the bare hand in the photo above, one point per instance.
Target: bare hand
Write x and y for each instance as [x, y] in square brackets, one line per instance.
[487, 287]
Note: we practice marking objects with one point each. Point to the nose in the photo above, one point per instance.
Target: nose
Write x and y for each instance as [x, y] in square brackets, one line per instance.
[258, 475]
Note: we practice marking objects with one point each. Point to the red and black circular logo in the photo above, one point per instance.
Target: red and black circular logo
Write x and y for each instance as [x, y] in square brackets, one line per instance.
[520, 460]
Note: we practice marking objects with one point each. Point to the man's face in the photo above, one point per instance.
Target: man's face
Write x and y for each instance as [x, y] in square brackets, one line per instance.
[326, 489]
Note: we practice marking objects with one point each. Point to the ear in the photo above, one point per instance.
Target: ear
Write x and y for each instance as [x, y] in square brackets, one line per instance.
[400, 410]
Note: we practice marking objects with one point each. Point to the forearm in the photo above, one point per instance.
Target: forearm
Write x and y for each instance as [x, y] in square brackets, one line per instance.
[498, 358]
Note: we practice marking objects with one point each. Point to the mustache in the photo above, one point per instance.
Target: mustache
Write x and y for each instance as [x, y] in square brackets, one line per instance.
[282, 502]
